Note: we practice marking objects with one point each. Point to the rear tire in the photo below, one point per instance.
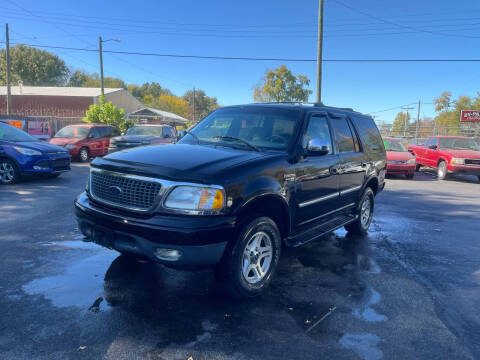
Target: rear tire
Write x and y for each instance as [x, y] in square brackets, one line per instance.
[417, 167]
[365, 214]
[9, 173]
[83, 155]
[442, 173]
[249, 266]
[410, 176]
[478, 176]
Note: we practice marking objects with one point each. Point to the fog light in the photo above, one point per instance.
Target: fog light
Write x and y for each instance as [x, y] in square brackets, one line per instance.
[168, 254]
[36, 167]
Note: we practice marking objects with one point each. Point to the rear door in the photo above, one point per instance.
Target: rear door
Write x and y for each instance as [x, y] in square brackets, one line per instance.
[317, 185]
[353, 161]
[95, 141]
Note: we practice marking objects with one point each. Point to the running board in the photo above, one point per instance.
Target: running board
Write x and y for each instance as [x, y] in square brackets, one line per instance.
[319, 230]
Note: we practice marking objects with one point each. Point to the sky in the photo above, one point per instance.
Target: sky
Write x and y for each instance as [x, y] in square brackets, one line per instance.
[366, 29]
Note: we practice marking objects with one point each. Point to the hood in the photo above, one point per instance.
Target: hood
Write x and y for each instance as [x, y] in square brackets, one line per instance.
[40, 146]
[177, 161]
[64, 141]
[134, 138]
[399, 155]
[463, 154]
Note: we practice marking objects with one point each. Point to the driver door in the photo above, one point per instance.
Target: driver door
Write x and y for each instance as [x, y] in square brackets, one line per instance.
[316, 180]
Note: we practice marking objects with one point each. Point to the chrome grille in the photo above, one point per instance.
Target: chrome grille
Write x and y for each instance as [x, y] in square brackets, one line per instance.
[472, 162]
[126, 191]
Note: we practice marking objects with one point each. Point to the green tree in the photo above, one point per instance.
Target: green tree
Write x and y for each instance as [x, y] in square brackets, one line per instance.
[82, 79]
[107, 113]
[33, 67]
[281, 85]
[401, 119]
[204, 104]
[447, 122]
[154, 89]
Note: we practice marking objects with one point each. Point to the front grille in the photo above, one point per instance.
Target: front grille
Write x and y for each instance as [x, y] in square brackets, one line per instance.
[472, 161]
[124, 191]
[60, 164]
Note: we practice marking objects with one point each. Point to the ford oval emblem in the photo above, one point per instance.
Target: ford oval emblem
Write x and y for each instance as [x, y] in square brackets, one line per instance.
[115, 190]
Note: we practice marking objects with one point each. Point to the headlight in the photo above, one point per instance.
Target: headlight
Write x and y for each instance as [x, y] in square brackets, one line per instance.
[70, 146]
[27, 151]
[197, 199]
[457, 161]
[411, 161]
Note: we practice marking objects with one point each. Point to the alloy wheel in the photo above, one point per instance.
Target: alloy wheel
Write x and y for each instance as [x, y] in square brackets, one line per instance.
[7, 173]
[366, 212]
[257, 257]
[83, 155]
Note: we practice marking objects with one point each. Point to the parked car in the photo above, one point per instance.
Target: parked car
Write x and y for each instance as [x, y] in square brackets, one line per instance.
[85, 140]
[22, 155]
[140, 135]
[449, 155]
[241, 183]
[399, 160]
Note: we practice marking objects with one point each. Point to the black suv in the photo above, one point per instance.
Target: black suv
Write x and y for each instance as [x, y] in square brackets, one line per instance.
[243, 182]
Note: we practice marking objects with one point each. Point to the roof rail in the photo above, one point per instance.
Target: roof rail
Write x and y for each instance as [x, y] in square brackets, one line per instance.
[306, 103]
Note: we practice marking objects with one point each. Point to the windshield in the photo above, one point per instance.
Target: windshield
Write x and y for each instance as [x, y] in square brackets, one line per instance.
[11, 133]
[73, 132]
[459, 144]
[394, 145]
[253, 127]
[145, 130]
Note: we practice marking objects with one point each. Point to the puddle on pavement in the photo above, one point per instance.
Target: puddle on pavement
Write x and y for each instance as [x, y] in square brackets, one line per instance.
[365, 311]
[364, 345]
[80, 285]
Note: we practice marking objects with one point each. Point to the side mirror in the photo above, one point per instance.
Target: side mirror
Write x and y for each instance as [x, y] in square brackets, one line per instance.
[318, 146]
[433, 147]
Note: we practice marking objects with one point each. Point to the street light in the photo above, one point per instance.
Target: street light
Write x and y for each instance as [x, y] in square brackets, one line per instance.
[100, 41]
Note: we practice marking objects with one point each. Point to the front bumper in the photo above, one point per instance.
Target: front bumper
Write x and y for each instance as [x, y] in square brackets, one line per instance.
[464, 169]
[44, 164]
[201, 240]
[400, 168]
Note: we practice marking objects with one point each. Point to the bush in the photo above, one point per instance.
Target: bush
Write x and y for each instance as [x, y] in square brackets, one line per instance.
[107, 113]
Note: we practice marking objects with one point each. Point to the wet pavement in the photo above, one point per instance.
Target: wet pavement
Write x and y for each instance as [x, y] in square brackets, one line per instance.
[410, 289]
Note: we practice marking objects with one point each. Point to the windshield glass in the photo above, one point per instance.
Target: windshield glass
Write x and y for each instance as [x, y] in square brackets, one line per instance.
[458, 144]
[73, 132]
[267, 128]
[11, 133]
[145, 130]
[394, 145]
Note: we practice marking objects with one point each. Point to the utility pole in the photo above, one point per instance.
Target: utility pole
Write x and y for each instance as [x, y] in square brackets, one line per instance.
[101, 63]
[406, 120]
[194, 104]
[9, 93]
[319, 51]
[418, 120]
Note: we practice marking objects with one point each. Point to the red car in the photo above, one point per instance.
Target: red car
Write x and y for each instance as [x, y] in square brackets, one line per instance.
[399, 160]
[85, 140]
[449, 155]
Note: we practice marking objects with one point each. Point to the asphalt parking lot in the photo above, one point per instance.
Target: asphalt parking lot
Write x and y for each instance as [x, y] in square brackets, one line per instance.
[410, 289]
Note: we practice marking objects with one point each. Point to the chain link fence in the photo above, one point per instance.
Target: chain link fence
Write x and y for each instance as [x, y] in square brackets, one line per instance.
[41, 126]
[422, 131]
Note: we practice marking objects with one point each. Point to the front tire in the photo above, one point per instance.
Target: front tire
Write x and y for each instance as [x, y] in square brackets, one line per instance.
[249, 266]
[365, 214]
[442, 173]
[83, 155]
[417, 167]
[9, 173]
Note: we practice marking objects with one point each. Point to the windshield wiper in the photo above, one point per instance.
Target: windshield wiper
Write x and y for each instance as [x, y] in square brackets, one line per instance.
[232, 138]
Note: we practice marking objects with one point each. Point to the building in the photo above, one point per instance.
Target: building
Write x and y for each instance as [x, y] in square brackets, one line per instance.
[43, 101]
[154, 116]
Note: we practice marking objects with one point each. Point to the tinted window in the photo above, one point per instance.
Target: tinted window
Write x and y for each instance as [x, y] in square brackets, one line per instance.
[115, 132]
[94, 133]
[433, 141]
[318, 128]
[166, 132]
[369, 134]
[11, 133]
[73, 131]
[343, 135]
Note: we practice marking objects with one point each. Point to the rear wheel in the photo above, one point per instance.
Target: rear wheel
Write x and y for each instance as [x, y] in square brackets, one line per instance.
[365, 214]
[417, 167]
[9, 173]
[83, 154]
[442, 172]
[478, 176]
[410, 175]
[249, 267]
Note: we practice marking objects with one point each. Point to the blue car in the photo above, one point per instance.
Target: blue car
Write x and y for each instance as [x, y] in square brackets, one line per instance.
[23, 155]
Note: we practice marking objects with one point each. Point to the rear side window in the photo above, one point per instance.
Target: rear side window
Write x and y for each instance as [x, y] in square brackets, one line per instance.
[343, 135]
[370, 136]
[94, 133]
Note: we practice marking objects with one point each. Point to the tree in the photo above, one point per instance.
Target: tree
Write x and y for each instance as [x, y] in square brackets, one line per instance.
[281, 85]
[33, 67]
[399, 123]
[173, 104]
[154, 89]
[107, 113]
[447, 122]
[81, 79]
[204, 104]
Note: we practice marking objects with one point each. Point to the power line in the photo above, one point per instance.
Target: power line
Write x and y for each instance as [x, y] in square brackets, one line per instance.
[253, 58]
